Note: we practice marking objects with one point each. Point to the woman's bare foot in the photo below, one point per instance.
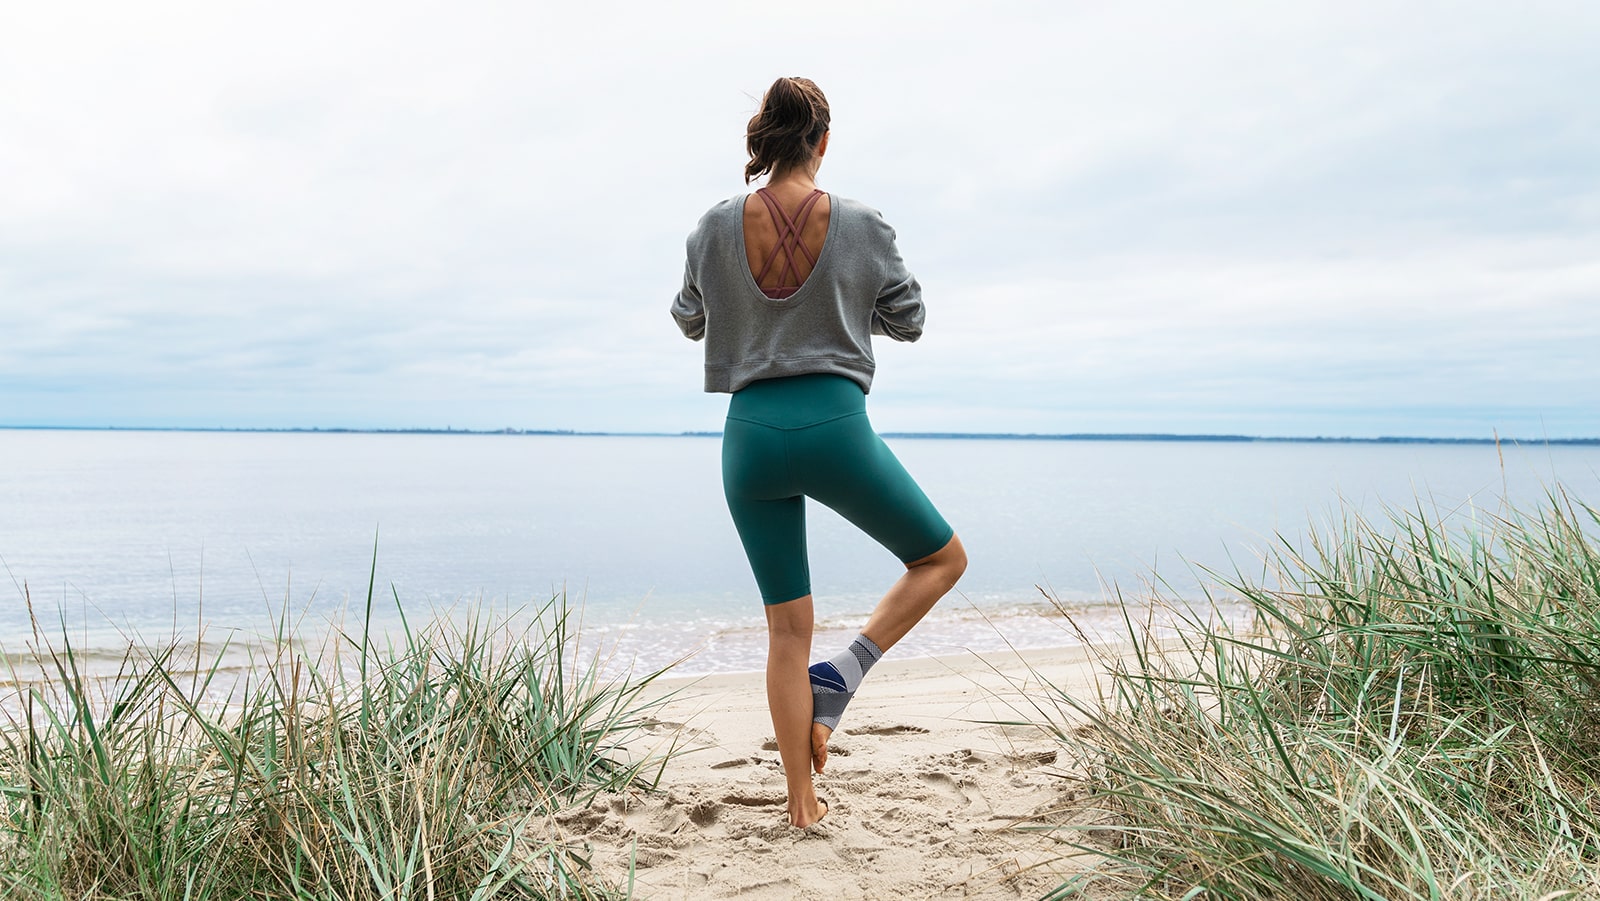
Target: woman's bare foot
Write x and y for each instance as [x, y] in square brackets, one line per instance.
[819, 745]
[801, 819]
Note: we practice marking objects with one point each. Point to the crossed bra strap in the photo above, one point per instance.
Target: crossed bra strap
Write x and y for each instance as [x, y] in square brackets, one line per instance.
[789, 231]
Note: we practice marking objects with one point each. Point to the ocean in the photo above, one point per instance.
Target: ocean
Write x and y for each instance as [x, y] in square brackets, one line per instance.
[115, 537]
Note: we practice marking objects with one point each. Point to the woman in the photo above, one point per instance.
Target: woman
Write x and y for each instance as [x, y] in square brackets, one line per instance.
[787, 286]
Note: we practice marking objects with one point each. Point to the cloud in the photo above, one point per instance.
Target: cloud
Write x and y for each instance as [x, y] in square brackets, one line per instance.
[1316, 218]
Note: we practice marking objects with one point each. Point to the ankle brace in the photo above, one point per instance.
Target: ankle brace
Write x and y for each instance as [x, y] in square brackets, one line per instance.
[834, 682]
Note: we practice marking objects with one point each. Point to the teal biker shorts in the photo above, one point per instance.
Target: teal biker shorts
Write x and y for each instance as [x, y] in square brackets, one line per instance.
[788, 439]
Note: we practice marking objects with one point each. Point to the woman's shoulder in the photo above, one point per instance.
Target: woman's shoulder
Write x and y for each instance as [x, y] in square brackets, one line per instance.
[860, 215]
[732, 208]
[717, 219]
[851, 205]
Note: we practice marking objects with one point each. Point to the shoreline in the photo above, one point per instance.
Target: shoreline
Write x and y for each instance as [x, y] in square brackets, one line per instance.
[1207, 437]
[693, 648]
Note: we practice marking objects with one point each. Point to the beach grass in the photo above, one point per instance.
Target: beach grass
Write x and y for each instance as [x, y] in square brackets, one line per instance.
[427, 764]
[1412, 712]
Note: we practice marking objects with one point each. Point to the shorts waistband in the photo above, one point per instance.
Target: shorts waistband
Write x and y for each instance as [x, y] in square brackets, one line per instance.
[798, 401]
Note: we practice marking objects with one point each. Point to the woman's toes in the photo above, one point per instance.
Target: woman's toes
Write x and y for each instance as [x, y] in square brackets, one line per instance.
[819, 745]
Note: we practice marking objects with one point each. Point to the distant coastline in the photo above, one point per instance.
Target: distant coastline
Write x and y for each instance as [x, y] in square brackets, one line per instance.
[980, 436]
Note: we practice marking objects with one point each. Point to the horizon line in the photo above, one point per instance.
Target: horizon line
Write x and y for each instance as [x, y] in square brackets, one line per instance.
[1002, 436]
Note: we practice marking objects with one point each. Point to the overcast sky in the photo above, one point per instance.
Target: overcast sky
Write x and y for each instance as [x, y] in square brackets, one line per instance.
[1272, 218]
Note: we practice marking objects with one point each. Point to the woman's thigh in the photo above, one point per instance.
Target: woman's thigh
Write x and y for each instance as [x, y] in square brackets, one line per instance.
[845, 465]
[767, 509]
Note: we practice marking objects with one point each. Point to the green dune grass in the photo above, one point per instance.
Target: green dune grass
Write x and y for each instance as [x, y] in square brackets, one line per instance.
[429, 768]
[1414, 713]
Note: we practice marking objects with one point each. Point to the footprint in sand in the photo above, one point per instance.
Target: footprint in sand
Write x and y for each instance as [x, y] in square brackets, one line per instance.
[752, 799]
[705, 813]
[887, 730]
[771, 744]
[586, 819]
[960, 793]
[647, 857]
[685, 731]
[1034, 758]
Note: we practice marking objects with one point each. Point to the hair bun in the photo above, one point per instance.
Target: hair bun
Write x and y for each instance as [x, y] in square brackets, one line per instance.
[788, 128]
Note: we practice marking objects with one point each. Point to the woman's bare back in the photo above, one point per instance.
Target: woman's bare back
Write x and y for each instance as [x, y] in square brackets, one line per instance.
[772, 267]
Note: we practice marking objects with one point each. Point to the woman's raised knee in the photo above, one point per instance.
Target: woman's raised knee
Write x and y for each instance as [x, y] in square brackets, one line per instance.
[958, 556]
[949, 561]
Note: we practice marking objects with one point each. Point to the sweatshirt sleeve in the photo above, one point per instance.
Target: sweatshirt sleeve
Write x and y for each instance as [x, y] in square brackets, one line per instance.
[689, 308]
[898, 311]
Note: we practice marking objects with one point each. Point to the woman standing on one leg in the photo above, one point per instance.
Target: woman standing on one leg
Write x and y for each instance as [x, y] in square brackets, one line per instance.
[787, 286]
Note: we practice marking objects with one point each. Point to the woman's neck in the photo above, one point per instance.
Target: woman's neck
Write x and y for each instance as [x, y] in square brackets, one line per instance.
[794, 178]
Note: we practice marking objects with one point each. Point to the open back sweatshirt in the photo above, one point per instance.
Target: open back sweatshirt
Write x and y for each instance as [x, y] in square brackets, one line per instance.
[858, 288]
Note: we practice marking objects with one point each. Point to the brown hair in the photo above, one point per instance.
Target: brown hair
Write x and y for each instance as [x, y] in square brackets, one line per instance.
[786, 131]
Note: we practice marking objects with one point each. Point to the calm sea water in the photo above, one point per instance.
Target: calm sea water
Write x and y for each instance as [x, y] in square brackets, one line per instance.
[145, 535]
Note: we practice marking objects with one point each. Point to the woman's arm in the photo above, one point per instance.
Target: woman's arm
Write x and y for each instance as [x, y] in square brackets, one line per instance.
[689, 308]
[898, 312]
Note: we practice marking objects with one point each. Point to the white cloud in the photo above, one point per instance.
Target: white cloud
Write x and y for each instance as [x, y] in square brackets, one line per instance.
[1283, 218]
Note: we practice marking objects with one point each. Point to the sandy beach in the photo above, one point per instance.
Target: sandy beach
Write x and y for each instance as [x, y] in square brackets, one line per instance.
[924, 791]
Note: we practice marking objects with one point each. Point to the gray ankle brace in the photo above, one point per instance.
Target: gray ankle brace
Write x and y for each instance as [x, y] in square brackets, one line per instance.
[834, 682]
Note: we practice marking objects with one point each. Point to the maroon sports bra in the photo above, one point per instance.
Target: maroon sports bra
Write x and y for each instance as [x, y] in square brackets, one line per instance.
[789, 231]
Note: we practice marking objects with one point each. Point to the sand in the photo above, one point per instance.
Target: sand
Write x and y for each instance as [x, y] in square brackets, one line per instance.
[925, 795]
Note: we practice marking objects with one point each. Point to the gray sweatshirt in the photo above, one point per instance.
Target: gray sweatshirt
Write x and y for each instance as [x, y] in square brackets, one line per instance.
[858, 288]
